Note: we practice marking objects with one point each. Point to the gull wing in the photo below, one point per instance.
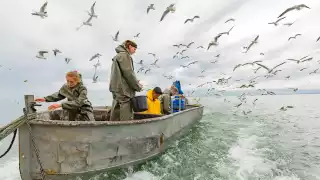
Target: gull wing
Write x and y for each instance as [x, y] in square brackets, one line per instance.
[278, 65]
[263, 66]
[238, 65]
[187, 20]
[293, 60]
[196, 17]
[92, 8]
[43, 7]
[280, 19]
[117, 34]
[303, 5]
[164, 14]
[287, 10]
[42, 52]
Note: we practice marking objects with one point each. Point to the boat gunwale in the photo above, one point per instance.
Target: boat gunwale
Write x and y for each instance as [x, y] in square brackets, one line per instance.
[108, 123]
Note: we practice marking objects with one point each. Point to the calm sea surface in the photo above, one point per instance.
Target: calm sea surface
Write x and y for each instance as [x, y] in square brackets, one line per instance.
[228, 145]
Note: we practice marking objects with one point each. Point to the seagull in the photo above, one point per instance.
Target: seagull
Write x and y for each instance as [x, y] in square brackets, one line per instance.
[87, 23]
[231, 19]
[95, 56]
[92, 13]
[261, 54]
[294, 37]
[301, 59]
[115, 38]
[296, 7]
[314, 72]
[56, 51]
[270, 70]
[67, 60]
[255, 41]
[214, 42]
[276, 22]
[137, 35]
[154, 55]
[40, 54]
[303, 69]
[42, 13]
[191, 20]
[227, 33]
[151, 6]
[318, 39]
[250, 63]
[284, 108]
[203, 47]
[170, 8]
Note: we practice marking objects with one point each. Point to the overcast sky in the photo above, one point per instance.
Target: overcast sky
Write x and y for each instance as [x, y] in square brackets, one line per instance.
[23, 35]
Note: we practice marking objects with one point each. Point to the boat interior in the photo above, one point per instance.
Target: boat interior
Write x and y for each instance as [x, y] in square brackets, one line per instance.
[101, 113]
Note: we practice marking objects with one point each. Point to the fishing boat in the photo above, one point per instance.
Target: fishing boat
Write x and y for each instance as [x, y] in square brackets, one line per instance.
[53, 148]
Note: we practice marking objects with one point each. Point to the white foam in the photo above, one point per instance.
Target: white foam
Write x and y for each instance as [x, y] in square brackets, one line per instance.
[142, 175]
[9, 170]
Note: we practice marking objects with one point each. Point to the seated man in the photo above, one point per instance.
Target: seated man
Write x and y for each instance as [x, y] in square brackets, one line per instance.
[165, 99]
[180, 92]
[154, 106]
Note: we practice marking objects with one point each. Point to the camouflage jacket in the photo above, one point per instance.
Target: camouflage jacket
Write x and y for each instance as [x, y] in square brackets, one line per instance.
[77, 97]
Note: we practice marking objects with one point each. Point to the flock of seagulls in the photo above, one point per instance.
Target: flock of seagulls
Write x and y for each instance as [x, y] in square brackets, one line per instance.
[183, 48]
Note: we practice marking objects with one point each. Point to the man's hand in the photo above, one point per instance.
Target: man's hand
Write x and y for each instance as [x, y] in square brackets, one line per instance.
[54, 106]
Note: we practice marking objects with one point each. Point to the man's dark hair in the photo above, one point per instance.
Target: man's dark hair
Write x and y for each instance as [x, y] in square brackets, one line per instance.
[130, 43]
[157, 90]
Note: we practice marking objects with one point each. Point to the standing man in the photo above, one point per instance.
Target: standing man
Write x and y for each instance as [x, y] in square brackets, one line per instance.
[123, 82]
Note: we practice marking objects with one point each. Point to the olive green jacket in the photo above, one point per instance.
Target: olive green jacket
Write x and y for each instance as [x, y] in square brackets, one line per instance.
[77, 97]
[123, 81]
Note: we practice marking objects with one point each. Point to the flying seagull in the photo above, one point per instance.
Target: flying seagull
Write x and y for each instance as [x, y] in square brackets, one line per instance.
[92, 13]
[294, 37]
[137, 35]
[276, 22]
[95, 56]
[318, 39]
[40, 54]
[301, 59]
[56, 51]
[270, 70]
[250, 63]
[255, 41]
[87, 23]
[42, 13]
[151, 6]
[191, 20]
[67, 60]
[154, 55]
[115, 38]
[231, 19]
[215, 41]
[296, 7]
[314, 72]
[170, 8]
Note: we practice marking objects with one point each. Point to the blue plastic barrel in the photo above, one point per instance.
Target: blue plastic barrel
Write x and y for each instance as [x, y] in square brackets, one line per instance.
[176, 103]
